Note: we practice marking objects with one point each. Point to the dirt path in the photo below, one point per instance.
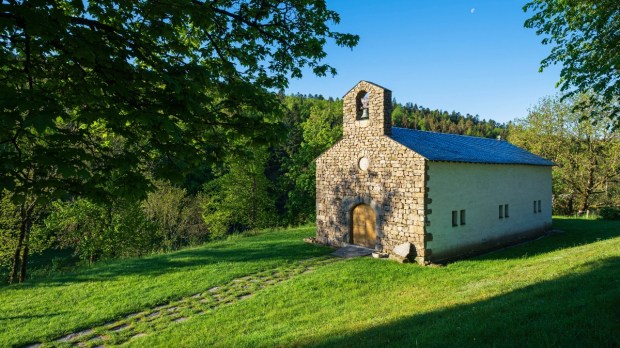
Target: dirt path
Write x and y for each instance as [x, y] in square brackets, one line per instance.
[158, 318]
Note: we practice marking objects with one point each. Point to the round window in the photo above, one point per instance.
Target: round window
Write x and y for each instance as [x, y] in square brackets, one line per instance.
[363, 163]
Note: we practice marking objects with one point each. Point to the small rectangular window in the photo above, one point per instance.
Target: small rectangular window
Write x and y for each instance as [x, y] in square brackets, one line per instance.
[539, 208]
[534, 207]
[501, 211]
[462, 217]
[455, 218]
[506, 210]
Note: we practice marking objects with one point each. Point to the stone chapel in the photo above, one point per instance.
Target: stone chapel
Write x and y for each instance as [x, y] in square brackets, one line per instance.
[448, 195]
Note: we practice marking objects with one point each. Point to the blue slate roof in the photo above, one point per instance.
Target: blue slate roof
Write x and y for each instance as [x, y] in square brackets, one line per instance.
[461, 148]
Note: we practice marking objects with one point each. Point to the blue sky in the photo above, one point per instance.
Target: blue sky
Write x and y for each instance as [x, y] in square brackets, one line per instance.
[464, 55]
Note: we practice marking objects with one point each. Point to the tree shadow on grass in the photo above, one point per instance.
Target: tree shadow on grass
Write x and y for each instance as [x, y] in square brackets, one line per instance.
[571, 232]
[581, 309]
[243, 250]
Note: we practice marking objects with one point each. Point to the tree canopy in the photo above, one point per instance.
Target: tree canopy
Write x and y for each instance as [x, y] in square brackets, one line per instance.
[96, 93]
[415, 116]
[586, 154]
[585, 35]
[100, 97]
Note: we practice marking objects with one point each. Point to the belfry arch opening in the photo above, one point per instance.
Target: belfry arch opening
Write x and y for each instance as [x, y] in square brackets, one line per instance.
[361, 106]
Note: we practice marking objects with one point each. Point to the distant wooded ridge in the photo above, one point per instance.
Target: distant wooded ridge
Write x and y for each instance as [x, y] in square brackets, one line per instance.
[414, 116]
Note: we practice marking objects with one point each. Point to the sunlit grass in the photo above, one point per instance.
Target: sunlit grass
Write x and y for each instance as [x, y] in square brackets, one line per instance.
[51, 307]
[561, 290]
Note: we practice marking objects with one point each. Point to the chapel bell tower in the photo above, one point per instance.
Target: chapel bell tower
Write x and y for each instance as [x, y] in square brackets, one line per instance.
[367, 111]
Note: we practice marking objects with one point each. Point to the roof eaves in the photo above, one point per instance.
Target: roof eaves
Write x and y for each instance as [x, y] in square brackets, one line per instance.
[498, 163]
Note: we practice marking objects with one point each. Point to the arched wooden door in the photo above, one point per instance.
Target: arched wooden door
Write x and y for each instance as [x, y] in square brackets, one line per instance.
[363, 226]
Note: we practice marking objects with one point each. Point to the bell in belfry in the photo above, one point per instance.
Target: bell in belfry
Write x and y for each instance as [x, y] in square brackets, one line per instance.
[364, 108]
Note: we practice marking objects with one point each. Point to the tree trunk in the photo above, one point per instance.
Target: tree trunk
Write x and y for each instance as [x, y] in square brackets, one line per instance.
[22, 272]
[16, 258]
[253, 213]
[24, 211]
[20, 242]
[586, 193]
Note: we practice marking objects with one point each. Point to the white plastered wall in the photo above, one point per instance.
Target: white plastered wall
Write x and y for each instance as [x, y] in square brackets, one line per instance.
[479, 189]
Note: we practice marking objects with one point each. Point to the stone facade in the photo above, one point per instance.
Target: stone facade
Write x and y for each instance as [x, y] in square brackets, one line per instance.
[407, 191]
[393, 184]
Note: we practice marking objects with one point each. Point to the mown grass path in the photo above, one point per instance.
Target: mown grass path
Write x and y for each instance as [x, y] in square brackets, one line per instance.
[154, 319]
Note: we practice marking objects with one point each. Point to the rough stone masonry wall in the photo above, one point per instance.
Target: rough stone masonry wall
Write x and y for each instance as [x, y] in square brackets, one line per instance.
[394, 185]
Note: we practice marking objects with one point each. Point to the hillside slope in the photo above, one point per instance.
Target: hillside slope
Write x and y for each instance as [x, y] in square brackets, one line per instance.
[274, 290]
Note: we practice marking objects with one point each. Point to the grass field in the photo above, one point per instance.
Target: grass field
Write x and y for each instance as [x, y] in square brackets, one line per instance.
[562, 290]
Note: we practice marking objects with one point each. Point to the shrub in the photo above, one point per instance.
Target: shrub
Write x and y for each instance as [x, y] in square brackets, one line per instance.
[9, 230]
[96, 230]
[563, 204]
[175, 215]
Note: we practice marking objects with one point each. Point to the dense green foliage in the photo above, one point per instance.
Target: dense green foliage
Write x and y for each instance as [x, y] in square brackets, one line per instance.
[98, 98]
[582, 145]
[555, 291]
[167, 219]
[95, 230]
[11, 223]
[175, 217]
[93, 92]
[239, 199]
[9, 228]
[585, 35]
[313, 124]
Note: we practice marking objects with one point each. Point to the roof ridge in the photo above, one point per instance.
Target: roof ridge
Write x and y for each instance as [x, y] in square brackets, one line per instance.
[452, 134]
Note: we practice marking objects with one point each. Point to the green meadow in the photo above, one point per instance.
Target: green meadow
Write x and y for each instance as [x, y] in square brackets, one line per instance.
[560, 290]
